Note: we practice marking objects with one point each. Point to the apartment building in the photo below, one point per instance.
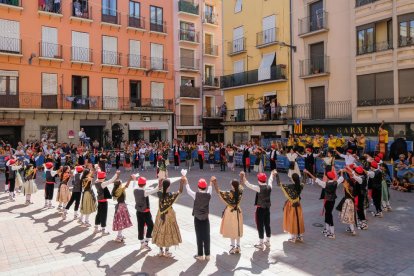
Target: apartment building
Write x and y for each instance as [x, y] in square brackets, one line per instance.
[256, 67]
[104, 65]
[197, 50]
[382, 65]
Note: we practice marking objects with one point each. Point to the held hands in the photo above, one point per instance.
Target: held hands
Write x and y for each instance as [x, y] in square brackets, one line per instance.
[274, 172]
[213, 180]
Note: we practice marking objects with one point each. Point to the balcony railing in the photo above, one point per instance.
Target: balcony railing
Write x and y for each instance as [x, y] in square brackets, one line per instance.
[79, 54]
[237, 46]
[189, 120]
[252, 77]
[376, 102]
[267, 37]
[406, 100]
[405, 41]
[327, 111]
[212, 112]
[188, 7]
[212, 81]
[158, 64]
[80, 11]
[50, 6]
[359, 3]
[136, 61]
[159, 27]
[210, 19]
[148, 103]
[136, 22]
[189, 91]
[50, 50]
[374, 47]
[15, 3]
[111, 16]
[314, 66]
[111, 58]
[10, 45]
[211, 50]
[186, 35]
[189, 63]
[313, 23]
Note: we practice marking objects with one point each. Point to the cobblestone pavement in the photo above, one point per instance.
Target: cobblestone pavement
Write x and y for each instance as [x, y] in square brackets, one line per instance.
[37, 242]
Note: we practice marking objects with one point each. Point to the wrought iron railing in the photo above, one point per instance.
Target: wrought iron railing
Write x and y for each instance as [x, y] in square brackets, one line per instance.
[189, 120]
[158, 64]
[374, 47]
[314, 66]
[187, 35]
[136, 22]
[406, 100]
[50, 50]
[376, 102]
[211, 19]
[80, 11]
[210, 49]
[189, 63]
[136, 61]
[266, 37]
[189, 91]
[10, 45]
[237, 46]
[212, 81]
[213, 112]
[316, 22]
[16, 3]
[405, 41]
[359, 3]
[188, 7]
[160, 27]
[81, 54]
[50, 6]
[111, 16]
[111, 58]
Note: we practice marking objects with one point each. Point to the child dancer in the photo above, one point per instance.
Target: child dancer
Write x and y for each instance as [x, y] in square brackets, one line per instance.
[121, 217]
[29, 186]
[88, 202]
[76, 192]
[50, 184]
[63, 195]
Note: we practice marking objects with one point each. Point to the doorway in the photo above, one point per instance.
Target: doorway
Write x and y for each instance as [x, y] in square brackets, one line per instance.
[209, 108]
[317, 102]
[117, 135]
[80, 92]
[317, 58]
[135, 93]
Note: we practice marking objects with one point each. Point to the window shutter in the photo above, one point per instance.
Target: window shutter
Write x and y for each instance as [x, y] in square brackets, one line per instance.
[80, 46]
[110, 93]
[238, 6]
[49, 84]
[135, 53]
[157, 93]
[10, 31]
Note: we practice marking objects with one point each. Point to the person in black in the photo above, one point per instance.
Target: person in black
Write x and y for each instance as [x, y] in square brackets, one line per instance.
[201, 213]
[7, 173]
[375, 182]
[117, 159]
[13, 167]
[273, 157]
[50, 183]
[222, 158]
[262, 203]
[309, 162]
[76, 192]
[102, 161]
[359, 179]
[176, 153]
[246, 158]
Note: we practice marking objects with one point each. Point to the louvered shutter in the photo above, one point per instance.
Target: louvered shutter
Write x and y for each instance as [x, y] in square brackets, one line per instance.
[10, 36]
[135, 53]
[157, 93]
[49, 42]
[49, 84]
[110, 93]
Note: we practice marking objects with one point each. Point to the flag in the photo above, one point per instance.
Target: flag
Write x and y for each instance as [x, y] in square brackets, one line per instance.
[298, 126]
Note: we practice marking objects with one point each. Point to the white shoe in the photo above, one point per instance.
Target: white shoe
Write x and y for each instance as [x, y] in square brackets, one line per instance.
[207, 258]
[96, 231]
[161, 253]
[259, 245]
[86, 224]
[145, 246]
[104, 232]
[119, 239]
[199, 258]
[80, 221]
[168, 254]
[232, 250]
[267, 243]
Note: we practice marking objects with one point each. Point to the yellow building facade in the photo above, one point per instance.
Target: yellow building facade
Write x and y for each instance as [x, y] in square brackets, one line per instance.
[256, 69]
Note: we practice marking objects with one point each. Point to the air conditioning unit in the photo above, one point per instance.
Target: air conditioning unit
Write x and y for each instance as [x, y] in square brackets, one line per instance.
[146, 119]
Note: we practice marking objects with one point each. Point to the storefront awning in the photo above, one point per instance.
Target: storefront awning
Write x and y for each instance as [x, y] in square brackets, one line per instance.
[148, 125]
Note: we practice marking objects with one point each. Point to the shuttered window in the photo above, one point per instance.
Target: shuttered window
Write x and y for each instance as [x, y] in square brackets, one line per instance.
[375, 89]
[238, 6]
[135, 53]
[10, 36]
[264, 72]
[405, 84]
[49, 42]
[157, 93]
[157, 56]
[109, 50]
[49, 84]
[110, 93]
[8, 82]
[80, 46]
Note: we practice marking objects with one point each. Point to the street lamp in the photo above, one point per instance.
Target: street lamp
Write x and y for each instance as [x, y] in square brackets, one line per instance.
[283, 44]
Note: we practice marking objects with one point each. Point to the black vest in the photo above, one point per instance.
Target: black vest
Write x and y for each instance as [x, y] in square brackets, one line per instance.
[77, 186]
[201, 205]
[141, 201]
[330, 190]
[103, 193]
[375, 182]
[263, 197]
[12, 174]
[309, 159]
[49, 177]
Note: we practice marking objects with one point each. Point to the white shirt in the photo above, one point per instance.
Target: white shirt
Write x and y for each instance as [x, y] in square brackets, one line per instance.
[82, 134]
[349, 159]
[256, 188]
[147, 192]
[193, 194]
[323, 183]
[292, 157]
[106, 183]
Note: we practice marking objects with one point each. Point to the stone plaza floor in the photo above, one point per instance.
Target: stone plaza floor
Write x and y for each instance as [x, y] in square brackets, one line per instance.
[34, 241]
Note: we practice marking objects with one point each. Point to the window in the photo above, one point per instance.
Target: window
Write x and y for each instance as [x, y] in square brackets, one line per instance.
[238, 66]
[80, 9]
[405, 85]
[187, 81]
[187, 58]
[209, 14]
[9, 82]
[240, 137]
[157, 56]
[238, 39]
[80, 93]
[134, 90]
[187, 31]
[109, 50]
[157, 94]
[49, 84]
[209, 75]
[135, 54]
[156, 19]
[187, 115]
[269, 29]
[406, 30]
[316, 16]
[375, 89]
[365, 41]
[80, 47]
[134, 9]
[238, 6]
[50, 47]
[9, 36]
[264, 72]
[110, 93]
[109, 7]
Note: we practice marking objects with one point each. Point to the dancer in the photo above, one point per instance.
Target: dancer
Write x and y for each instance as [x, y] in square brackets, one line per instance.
[273, 157]
[63, 195]
[346, 206]
[13, 171]
[262, 203]
[76, 192]
[122, 218]
[293, 222]
[103, 195]
[374, 181]
[166, 232]
[29, 186]
[88, 202]
[50, 183]
[293, 164]
[232, 220]
[230, 157]
[201, 215]
[309, 162]
[360, 192]
[385, 184]
[176, 152]
[142, 206]
[211, 158]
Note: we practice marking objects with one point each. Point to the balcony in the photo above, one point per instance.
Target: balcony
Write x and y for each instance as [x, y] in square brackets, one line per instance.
[158, 64]
[237, 46]
[158, 27]
[375, 102]
[359, 3]
[314, 67]
[406, 100]
[375, 47]
[189, 92]
[313, 24]
[110, 17]
[11, 4]
[189, 64]
[212, 112]
[277, 73]
[189, 36]
[148, 104]
[111, 58]
[136, 22]
[10, 46]
[188, 7]
[188, 120]
[137, 62]
[211, 19]
[211, 50]
[266, 38]
[81, 13]
[81, 55]
[50, 8]
[50, 51]
[211, 82]
[405, 41]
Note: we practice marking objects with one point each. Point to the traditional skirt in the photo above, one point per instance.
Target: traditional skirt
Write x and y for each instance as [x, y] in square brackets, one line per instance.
[347, 215]
[19, 181]
[166, 232]
[147, 164]
[88, 204]
[295, 170]
[232, 223]
[64, 194]
[122, 218]
[293, 222]
[385, 192]
[162, 174]
[29, 187]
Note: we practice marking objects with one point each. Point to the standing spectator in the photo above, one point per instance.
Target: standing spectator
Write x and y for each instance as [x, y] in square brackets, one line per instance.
[56, 6]
[223, 110]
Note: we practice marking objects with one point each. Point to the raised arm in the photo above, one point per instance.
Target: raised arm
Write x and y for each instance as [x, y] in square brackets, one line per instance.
[188, 188]
[214, 181]
[110, 181]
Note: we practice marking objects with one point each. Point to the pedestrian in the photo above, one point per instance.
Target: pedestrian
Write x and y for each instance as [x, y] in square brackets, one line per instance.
[166, 231]
[222, 158]
[29, 186]
[135, 157]
[122, 218]
[63, 195]
[262, 203]
[246, 157]
[50, 183]
[232, 220]
[201, 212]
[117, 160]
[88, 202]
[76, 192]
[200, 151]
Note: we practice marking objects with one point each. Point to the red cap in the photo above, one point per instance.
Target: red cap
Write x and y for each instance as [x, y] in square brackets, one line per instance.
[142, 181]
[359, 170]
[101, 175]
[380, 155]
[12, 161]
[331, 175]
[374, 165]
[352, 166]
[202, 184]
[377, 159]
[308, 149]
[6, 158]
[262, 177]
[79, 169]
[273, 146]
[49, 165]
[159, 157]
[349, 151]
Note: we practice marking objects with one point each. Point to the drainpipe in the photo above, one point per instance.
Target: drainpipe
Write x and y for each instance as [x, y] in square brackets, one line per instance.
[291, 57]
[201, 11]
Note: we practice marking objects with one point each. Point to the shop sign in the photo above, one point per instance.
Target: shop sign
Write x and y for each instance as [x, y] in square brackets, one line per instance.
[49, 133]
[187, 131]
[367, 130]
[71, 134]
[12, 122]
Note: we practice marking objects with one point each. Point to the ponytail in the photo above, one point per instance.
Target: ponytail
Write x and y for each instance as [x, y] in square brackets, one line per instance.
[236, 185]
[165, 185]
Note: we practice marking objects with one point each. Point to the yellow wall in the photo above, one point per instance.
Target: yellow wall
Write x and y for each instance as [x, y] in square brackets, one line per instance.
[251, 19]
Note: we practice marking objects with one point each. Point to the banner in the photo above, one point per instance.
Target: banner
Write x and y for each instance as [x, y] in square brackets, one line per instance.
[297, 126]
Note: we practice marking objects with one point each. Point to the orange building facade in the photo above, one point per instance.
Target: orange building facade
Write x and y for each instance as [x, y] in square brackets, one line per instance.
[104, 65]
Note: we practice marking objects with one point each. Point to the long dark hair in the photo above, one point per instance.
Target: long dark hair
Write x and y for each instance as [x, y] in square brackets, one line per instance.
[236, 185]
[165, 185]
[117, 184]
[64, 170]
[85, 174]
